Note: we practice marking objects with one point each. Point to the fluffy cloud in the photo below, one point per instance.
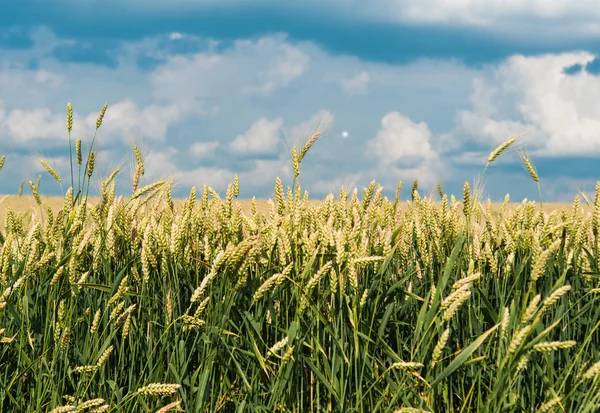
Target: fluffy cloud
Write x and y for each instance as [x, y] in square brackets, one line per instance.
[27, 87]
[290, 64]
[227, 75]
[203, 149]
[566, 17]
[217, 178]
[126, 119]
[475, 11]
[300, 133]
[262, 137]
[401, 139]
[558, 111]
[356, 85]
[404, 151]
[333, 186]
[25, 125]
[252, 96]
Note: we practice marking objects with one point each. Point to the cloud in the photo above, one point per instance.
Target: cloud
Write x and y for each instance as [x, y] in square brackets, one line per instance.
[559, 111]
[485, 13]
[26, 125]
[261, 176]
[247, 68]
[164, 164]
[127, 120]
[27, 87]
[302, 131]
[204, 100]
[403, 151]
[356, 85]
[462, 11]
[123, 120]
[160, 164]
[290, 64]
[401, 139]
[485, 129]
[333, 186]
[203, 149]
[217, 178]
[261, 138]
[176, 36]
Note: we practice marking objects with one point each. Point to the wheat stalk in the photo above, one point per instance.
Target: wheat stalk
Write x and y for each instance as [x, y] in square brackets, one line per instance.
[158, 389]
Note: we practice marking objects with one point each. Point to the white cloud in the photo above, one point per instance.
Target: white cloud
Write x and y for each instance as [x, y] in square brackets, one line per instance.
[290, 64]
[301, 132]
[558, 111]
[403, 150]
[25, 125]
[123, 120]
[203, 149]
[333, 186]
[400, 138]
[541, 18]
[126, 119]
[161, 165]
[249, 67]
[356, 85]
[23, 87]
[264, 173]
[217, 178]
[564, 17]
[262, 137]
[488, 130]
[484, 11]
[464, 11]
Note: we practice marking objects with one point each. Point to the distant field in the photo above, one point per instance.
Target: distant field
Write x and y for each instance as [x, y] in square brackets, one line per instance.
[26, 204]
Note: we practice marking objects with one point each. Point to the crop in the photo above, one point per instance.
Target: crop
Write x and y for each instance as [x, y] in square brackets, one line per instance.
[351, 305]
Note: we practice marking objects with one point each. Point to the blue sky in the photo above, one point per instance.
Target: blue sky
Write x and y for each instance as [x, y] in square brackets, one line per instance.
[405, 90]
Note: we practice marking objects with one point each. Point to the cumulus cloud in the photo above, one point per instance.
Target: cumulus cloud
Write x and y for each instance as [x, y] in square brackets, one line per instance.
[401, 139]
[559, 111]
[262, 137]
[217, 178]
[162, 164]
[484, 11]
[203, 149]
[356, 85]
[556, 17]
[403, 151]
[265, 171]
[27, 87]
[237, 98]
[26, 125]
[333, 186]
[274, 64]
[302, 131]
[289, 64]
[126, 119]
[411, 10]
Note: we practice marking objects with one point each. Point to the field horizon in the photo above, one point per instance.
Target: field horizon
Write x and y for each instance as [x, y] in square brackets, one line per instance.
[16, 203]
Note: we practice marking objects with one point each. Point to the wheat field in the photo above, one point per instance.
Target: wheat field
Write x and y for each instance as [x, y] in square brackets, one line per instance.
[27, 206]
[347, 304]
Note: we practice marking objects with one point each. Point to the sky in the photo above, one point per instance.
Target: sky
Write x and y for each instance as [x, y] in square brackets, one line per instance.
[401, 89]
